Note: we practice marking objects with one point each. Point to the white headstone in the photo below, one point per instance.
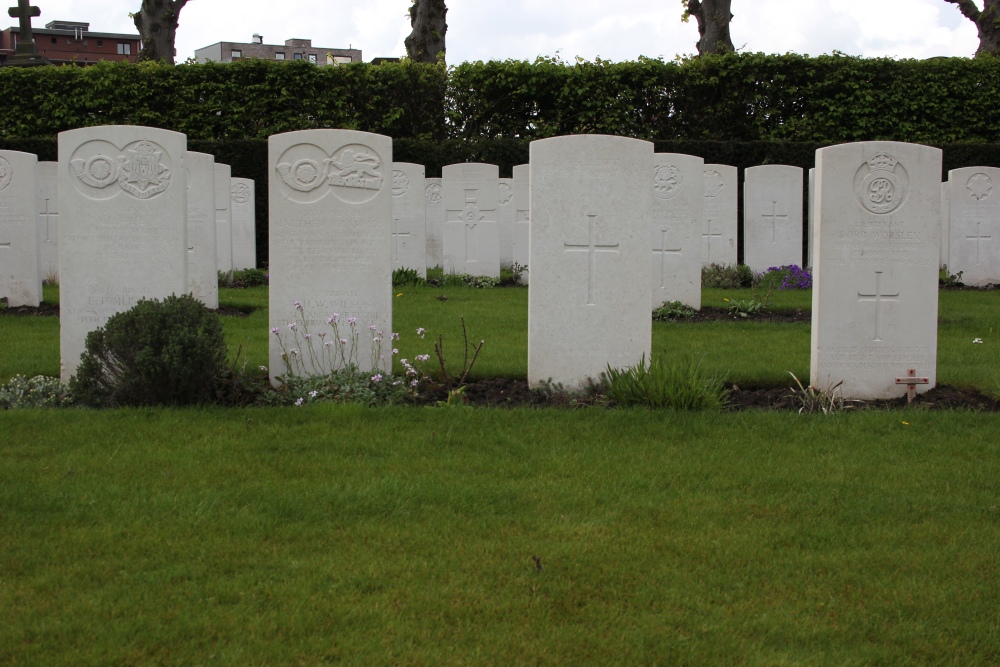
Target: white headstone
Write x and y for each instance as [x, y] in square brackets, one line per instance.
[122, 226]
[945, 223]
[471, 232]
[243, 208]
[875, 279]
[330, 201]
[434, 209]
[47, 181]
[591, 203]
[772, 216]
[676, 231]
[223, 218]
[811, 217]
[20, 274]
[506, 215]
[719, 234]
[522, 218]
[974, 225]
[203, 275]
[409, 218]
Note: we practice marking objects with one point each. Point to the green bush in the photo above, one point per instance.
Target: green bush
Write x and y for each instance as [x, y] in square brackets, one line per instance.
[243, 278]
[169, 352]
[673, 310]
[727, 277]
[404, 277]
[680, 385]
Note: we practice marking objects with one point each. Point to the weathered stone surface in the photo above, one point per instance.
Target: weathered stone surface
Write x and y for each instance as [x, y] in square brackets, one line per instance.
[974, 225]
[203, 275]
[47, 182]
[20, 272]
[875, 292]
[434, 209]
[409, 218]
[522, 218]
[471, 229]
[330, 194]
[772, 216]
[718, 244]
[243, 212]
[122, 226]
[676, 230]
[591, 203]
[506, 214]
[223, 218]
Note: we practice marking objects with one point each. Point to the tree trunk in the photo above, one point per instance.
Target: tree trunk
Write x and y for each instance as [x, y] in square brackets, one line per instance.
[157, 25]
[713, 18]
[987, 22]
[426, 42]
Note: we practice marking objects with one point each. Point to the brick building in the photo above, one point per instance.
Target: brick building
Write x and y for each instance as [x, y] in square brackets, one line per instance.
[72, 43]
[292, 49]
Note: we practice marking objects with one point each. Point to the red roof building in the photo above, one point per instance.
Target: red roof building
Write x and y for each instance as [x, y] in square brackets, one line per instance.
[72, 43]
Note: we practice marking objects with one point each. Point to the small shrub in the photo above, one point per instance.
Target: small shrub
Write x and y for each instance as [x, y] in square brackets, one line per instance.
[37, 392]
[790, 276]
[727, 277]
[673, 310]
[347, 385]
[169, 352]
[480, 282]
[243, 278]
[950, 280]
[517, 272]
[827, 401]
[681, 385]
[404, 277]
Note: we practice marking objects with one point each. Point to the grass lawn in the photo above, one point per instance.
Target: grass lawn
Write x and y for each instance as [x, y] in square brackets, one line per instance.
[335, 534]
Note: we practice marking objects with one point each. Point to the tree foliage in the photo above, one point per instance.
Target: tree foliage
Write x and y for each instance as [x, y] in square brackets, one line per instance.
[987, 22]
[426, 43]
[157, 22]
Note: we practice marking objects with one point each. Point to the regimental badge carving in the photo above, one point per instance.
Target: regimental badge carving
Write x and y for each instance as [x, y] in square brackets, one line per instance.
[980, 186]
[506, 194]
[400, 183]
[433, 193]
[240, 193]
[142, 169]
[881, 184]
[713, 183]
[667, 181]
[6, 173]
[99, 171]
[353, 173]
[143, 175]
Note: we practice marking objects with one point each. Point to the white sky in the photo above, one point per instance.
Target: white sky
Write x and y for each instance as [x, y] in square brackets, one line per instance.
[524, 29]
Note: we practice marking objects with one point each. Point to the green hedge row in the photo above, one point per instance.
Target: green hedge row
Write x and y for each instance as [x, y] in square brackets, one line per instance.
[735, 97]
[248, 159]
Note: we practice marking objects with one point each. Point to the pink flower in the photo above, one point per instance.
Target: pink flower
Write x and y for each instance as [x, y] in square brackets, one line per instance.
[377, 377]
[291, 326]
[297, 305]
[275, 330]
[333, 319]
[352, 320]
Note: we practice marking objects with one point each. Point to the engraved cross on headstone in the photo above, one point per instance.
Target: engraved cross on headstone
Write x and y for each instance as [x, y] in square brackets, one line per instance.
[395, 238]
[708, 236]
[664, 251]
[591, 249]
[471, 217]
[977, 238]
[774, 215]
[878, 297]
[47, 215]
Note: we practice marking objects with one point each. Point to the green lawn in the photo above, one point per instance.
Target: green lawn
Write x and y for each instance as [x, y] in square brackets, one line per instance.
[335, 534]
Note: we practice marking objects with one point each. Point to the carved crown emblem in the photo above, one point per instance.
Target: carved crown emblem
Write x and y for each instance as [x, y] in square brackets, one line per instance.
[882, 162]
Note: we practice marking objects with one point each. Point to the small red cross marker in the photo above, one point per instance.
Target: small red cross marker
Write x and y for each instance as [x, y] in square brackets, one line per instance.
[911, 381]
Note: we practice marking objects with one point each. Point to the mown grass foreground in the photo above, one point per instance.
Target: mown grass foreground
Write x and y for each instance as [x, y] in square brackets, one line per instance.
[335, 534]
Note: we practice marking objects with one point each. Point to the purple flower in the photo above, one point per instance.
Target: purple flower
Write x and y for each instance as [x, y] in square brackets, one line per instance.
[300, 401]
[291, 326]
[333, 319]
[297, 305]
[377, 377]
[275, 330]
[352, 320]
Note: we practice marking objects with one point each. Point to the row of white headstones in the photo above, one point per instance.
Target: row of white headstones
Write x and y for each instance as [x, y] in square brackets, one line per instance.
[877, 246]
[220, 235]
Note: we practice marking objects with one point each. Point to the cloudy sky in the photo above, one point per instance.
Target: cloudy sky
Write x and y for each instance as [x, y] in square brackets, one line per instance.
[524, 29]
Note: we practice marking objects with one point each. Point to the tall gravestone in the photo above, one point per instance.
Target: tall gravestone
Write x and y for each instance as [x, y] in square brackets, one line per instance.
[811, 217]
[471, 229]
[203, 275]
[772, 216]
[409, 218]
[434, 230]
[974, 225]
[591, 204]
[330, 194]
[122, 226]
[945, 223]
[20, 274]
[875, 278]
[223, 218]
[47, 182]
[676, 230]
[506, 214]
[718, 244]
[522, 219]
[243, 210]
